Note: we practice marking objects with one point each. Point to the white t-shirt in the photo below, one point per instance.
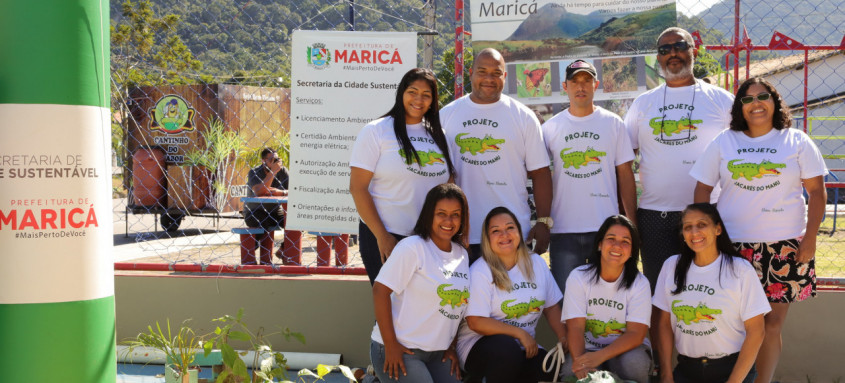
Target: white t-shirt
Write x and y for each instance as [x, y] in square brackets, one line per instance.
[398, 189]
[669, 144]
[585, 152]
[606, 306]
[492, 147]
[708, 317]
[430, 293]
[521, 307]
[762, 198]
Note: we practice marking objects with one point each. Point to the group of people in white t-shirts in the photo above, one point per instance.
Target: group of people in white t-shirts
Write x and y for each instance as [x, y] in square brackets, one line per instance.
[726, 236]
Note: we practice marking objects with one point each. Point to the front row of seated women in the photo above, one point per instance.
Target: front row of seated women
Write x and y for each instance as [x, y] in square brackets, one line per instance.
[437, 316]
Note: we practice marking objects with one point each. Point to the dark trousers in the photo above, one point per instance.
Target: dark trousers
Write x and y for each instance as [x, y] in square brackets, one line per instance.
[705, 370]
[660, 234]
[474, 252]
[368, 247]
[499, 359]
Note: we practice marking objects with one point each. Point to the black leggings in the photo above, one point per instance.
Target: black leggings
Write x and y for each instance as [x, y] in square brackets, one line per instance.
[499, 358]
[368, 247]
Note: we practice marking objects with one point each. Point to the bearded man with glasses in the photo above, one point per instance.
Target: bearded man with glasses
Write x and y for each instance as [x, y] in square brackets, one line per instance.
[669, 127]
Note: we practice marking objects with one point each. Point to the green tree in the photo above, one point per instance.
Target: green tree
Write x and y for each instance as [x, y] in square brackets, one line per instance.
[145, 50]
[445, 73]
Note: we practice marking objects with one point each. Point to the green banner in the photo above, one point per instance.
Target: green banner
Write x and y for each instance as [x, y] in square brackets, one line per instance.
[53, 52]
[70, 342]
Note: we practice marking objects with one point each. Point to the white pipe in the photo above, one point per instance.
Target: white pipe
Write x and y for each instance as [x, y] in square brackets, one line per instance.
[296, 360]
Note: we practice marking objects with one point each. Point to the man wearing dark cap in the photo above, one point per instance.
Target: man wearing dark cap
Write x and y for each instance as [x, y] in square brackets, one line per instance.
[591, 155]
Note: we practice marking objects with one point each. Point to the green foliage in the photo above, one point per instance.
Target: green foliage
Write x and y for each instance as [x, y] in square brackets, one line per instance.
[279, 143]
[180, 347]
[445, 73]
[234, 328]
[705, 64]
[223, 149]
[146, 50]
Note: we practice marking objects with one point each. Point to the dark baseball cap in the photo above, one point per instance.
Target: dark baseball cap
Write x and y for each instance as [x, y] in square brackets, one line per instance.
[578, 66]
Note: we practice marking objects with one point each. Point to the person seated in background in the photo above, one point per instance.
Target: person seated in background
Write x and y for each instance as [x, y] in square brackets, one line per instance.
[269, 179]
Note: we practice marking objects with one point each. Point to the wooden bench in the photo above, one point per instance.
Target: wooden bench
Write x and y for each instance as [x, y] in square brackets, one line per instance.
[249, 239]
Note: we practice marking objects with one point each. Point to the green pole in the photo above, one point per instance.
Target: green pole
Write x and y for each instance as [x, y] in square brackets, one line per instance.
[56, 273]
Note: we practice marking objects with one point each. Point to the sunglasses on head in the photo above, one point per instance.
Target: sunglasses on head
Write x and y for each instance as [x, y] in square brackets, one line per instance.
[760, 97]
[679, 46]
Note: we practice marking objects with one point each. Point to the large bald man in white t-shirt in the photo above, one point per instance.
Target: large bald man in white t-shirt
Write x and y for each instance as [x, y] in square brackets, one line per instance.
[496, 145]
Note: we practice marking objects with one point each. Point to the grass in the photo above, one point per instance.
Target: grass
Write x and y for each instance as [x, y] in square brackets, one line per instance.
[830, 249]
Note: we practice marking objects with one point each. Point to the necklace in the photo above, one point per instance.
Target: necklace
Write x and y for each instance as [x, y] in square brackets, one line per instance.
[677, 123]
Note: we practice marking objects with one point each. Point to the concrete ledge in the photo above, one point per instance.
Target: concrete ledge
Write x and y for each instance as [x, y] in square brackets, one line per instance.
[335, 313]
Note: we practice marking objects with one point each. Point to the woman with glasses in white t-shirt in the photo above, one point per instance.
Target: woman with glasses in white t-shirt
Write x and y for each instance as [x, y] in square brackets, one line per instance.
[761, 165]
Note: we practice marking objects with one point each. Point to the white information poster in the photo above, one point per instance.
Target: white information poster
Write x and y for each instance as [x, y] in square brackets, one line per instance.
[340, 82]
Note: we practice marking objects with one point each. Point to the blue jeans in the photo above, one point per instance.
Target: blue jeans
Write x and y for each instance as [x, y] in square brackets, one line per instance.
[568, 251]
[422, 366]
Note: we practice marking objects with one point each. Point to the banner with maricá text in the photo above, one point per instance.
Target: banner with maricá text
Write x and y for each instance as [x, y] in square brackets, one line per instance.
[340, 82]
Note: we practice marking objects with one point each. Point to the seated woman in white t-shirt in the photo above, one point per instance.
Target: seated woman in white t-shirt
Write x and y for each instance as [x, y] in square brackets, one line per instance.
[421, 294]
[711, 305]
[395, 160]
[607, 307]
[509, 289]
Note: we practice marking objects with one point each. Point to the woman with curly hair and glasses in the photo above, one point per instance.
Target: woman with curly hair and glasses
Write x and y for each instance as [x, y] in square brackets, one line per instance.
[760, 165]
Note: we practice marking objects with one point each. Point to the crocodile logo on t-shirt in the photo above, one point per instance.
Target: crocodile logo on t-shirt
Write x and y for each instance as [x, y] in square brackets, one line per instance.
[475, 145]
[453, 297]
[750, 170]
[580, 158]
[430, 157]
[604, 329]
[670, 127]
[517, 310]
[694, 314]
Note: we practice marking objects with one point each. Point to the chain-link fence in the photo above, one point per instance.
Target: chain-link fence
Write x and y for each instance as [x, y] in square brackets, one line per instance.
[218, 73]
[224, 66]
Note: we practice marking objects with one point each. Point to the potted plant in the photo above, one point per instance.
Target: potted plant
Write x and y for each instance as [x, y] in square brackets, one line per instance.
[222, 151]
[180, 349]
[271, 364]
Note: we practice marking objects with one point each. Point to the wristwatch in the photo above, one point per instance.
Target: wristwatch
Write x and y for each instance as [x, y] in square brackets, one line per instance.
[548, 221]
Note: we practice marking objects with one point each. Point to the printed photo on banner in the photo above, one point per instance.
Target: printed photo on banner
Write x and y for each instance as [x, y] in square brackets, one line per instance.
[556, 29]
[538, 38]
[534, 80]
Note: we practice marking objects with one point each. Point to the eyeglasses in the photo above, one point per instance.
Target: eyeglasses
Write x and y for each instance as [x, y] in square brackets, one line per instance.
[679, 46]
[760, 97]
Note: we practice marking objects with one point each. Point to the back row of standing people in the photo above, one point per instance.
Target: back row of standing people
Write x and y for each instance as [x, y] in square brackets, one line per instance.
[490, 144]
